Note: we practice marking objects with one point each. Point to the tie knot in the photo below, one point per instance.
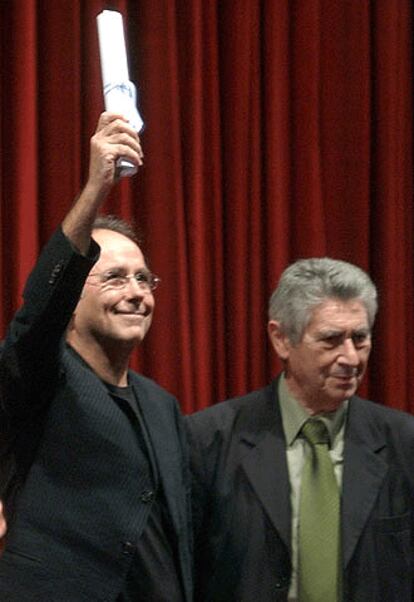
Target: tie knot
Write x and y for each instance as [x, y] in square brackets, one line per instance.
[315, 432]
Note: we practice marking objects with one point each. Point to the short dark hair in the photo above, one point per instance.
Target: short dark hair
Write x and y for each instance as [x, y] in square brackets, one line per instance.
[116, 224]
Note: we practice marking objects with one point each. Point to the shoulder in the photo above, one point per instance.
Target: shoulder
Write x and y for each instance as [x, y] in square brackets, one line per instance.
[233, 414]
[150, 387]
[393, 424]
[379, 412]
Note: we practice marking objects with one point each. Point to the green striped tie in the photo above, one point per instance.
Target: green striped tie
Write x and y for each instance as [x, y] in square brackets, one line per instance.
[319, 521]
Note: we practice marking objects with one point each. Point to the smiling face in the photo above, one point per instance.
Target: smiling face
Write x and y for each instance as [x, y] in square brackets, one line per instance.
[110, 317]
[327, 365]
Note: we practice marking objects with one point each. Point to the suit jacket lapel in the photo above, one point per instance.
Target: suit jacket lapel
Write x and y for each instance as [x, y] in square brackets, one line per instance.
[160, 423]
[364, 471]
[264, 442]
[163, 450]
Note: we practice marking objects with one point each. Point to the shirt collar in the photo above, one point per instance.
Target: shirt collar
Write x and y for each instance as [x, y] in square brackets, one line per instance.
[294, 415]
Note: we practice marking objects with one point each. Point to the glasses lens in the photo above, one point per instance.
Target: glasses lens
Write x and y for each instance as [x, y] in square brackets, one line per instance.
[154, 282]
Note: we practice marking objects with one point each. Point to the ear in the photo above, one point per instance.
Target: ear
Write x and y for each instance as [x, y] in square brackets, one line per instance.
[279, 340]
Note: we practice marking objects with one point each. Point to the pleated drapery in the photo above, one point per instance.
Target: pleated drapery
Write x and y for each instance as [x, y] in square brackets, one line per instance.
[275, 129]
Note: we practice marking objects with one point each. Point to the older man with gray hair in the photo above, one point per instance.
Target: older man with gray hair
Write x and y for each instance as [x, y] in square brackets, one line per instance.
[304, 491]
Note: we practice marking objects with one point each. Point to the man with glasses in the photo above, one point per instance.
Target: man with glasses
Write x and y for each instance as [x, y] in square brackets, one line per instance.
[303, 491]
[96, 486]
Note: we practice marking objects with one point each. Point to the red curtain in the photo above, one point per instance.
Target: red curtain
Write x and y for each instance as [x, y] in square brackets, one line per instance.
[275, 129]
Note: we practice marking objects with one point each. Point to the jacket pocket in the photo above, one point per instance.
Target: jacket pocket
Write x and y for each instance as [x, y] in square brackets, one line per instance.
[394, 524]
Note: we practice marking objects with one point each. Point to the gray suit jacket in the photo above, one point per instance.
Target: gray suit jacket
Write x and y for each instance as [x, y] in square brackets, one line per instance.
[242, 508]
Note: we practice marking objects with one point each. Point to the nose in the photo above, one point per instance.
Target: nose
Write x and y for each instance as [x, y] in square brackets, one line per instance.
[134, 288]
[349, 353]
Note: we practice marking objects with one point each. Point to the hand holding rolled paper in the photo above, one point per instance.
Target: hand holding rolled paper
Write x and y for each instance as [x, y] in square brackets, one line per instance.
[119, 91]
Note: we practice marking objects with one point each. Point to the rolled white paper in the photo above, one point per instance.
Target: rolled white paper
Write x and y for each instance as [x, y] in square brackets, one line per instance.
[119, 92]
[114, 64]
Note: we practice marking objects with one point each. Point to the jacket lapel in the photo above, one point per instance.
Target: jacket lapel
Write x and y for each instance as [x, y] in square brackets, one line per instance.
[364, 471]
[164, 453]
[162, 424]
[264, 444]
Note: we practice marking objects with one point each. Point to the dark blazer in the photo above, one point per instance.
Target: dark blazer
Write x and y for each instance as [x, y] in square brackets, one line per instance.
[242, 508]
[69, 463]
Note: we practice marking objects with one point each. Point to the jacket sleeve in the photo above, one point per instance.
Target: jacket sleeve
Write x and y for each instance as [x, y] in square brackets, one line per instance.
[30, 358]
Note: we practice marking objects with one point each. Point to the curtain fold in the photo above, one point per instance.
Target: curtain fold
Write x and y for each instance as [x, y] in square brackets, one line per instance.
[274, 130]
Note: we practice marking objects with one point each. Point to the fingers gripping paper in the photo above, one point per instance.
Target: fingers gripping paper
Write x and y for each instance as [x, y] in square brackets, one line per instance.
[119, 91]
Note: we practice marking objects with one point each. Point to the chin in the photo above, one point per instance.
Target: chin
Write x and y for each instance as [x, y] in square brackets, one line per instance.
[346, 387]
[341, 396]
[132, 337]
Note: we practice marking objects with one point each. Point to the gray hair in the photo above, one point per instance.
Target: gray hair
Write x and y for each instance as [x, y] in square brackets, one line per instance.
[308, 282]
[116, 224]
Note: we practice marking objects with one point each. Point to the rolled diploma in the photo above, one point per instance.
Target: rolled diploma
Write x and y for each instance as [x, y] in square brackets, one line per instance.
[119, 92]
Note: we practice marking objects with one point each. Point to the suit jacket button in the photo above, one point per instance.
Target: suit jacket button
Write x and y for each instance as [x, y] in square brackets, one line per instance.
[146, 496]
[58, 267]
[128, 548]
[281, 582]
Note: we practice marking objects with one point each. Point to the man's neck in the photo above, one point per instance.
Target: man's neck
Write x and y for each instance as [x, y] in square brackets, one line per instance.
[110, 363]
[312, 405]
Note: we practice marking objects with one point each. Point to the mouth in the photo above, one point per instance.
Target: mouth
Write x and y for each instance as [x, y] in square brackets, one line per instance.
[131, 316]
[132, 312]
[345, 381]
[346, 375]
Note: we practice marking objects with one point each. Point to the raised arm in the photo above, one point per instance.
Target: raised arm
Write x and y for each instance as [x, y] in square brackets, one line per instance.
[29, 363]
[113, 138]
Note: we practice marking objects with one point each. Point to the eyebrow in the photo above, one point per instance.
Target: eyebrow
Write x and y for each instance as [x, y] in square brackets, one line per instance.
[119, 268]
[325, 334]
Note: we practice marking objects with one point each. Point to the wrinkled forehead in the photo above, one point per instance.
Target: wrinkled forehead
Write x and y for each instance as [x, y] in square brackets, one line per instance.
[339, 314]
[117, 250]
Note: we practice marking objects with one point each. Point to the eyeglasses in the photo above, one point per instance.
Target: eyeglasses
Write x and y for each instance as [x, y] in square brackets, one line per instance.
[147, 281]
